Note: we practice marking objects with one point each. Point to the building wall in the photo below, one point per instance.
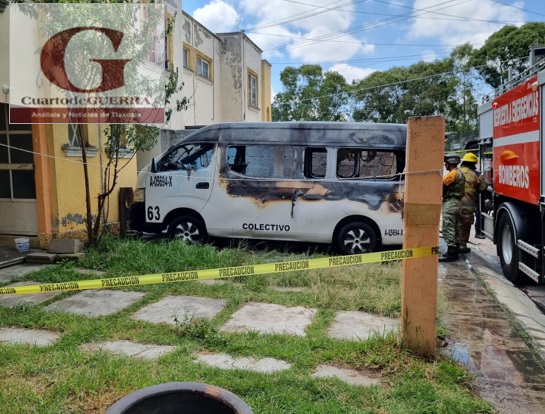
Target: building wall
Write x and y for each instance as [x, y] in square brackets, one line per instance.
[60, 192]
[232, 85]
[204, 104]
[266, 92]
[68, 173]
[4, 49]
[252, 65]
[224, 97]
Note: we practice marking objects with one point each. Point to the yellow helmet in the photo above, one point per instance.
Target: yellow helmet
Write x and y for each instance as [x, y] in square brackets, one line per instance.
[470, 157]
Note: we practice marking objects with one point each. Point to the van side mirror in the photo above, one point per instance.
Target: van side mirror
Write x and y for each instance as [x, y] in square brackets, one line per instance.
[153, 165]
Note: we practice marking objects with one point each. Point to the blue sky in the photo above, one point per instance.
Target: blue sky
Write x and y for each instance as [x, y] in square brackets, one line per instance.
[358, 37]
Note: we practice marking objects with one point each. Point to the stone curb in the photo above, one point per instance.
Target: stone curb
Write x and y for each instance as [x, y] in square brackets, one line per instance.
[519, 305]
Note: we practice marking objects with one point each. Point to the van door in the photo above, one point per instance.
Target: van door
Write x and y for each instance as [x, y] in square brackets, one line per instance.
[257, 191]
[184, 178]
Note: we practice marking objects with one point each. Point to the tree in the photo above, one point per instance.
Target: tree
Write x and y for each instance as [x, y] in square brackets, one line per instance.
[422, 89]
[378, 96]
[120, 138]
[507, 50]
[462, 112]
[310, 95]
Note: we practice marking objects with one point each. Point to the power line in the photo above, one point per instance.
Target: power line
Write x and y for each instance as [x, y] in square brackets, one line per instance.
[368, 26]
[305, 15]
[355, 42]
[395, 83]
[518, 8]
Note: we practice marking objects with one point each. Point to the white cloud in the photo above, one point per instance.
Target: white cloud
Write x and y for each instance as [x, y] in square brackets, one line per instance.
[429, 56]
[283, 27]
[217, 16]
[351, 73]
[458, 31]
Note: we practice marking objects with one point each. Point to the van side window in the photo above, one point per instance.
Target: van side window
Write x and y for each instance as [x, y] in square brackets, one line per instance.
[262, 161]
[187, 157]
[315, 162]
[371, 164]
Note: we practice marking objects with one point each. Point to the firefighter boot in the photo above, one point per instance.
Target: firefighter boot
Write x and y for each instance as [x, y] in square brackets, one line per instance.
[450, 256]
[463, 249]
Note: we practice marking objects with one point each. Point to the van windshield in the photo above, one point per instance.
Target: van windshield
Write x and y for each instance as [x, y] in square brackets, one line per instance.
[187, 157]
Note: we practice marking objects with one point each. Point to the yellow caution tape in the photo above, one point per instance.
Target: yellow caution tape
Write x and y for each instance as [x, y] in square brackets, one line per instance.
[226, 272]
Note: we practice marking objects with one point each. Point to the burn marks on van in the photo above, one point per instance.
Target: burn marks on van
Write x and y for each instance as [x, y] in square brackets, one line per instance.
[296, 173]
[373, 194]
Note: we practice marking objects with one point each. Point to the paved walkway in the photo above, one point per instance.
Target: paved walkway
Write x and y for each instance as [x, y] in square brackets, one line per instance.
[263, 318]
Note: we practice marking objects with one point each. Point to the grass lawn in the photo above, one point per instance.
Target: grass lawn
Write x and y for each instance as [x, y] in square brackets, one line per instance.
[63, 379]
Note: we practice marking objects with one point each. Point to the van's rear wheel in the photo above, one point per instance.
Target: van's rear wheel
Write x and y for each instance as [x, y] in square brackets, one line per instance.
[356, 238]
[508, 250]
[187, 228]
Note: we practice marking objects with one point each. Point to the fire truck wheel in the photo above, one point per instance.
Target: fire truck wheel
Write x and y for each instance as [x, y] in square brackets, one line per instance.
[356, 238]
[187, 228]
[508, 250]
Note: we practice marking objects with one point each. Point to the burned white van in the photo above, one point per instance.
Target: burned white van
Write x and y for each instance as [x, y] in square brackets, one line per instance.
[320, 182]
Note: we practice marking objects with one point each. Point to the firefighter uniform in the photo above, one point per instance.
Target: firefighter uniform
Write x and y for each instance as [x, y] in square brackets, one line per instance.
[453, 191]
[474, 184]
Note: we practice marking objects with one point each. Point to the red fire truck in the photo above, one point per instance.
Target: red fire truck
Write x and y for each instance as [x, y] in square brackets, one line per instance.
[511, 138]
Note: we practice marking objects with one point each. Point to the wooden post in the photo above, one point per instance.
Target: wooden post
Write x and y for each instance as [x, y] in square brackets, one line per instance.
[423, 192]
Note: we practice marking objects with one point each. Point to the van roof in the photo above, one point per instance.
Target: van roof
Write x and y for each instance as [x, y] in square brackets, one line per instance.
[301, 133]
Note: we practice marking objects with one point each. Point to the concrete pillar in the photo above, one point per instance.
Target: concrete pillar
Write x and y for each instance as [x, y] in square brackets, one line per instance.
[423, 192]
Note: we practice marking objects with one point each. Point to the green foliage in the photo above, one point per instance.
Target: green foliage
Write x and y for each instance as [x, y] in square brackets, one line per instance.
[422, 89]
[310, 95]
[199, 329]
[509, 46]
[63, 378]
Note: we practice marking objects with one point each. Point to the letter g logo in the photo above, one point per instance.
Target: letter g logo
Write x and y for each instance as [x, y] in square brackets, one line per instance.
[53, 56]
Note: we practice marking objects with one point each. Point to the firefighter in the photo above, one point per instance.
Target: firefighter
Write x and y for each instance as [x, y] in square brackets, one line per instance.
[453, 191]
[474, 185]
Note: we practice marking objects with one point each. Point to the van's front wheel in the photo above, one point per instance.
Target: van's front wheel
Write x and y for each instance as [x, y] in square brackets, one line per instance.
[187, 228]
[356, 238]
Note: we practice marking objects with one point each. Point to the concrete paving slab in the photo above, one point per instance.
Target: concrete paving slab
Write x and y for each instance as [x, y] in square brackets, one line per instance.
[182, 308]
[269, 318]
[17, 271]
[10, 301]
[290, 289]
[36, 337]
[91, 272]
[346, 375]
[129, 349]
[41, 257]
[359, 326]
[224, 361]
[94, 303]
[65, 246]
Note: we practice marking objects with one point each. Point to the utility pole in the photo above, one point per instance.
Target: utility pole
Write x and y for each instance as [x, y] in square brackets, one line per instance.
[423, 193]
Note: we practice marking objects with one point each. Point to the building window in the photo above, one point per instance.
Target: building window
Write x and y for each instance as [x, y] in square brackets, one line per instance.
[186, 58]
[77, 133]
[169, 62]
[158, 51]
[203, 68]
[252, 90]
[16, 160]
[74, 135]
